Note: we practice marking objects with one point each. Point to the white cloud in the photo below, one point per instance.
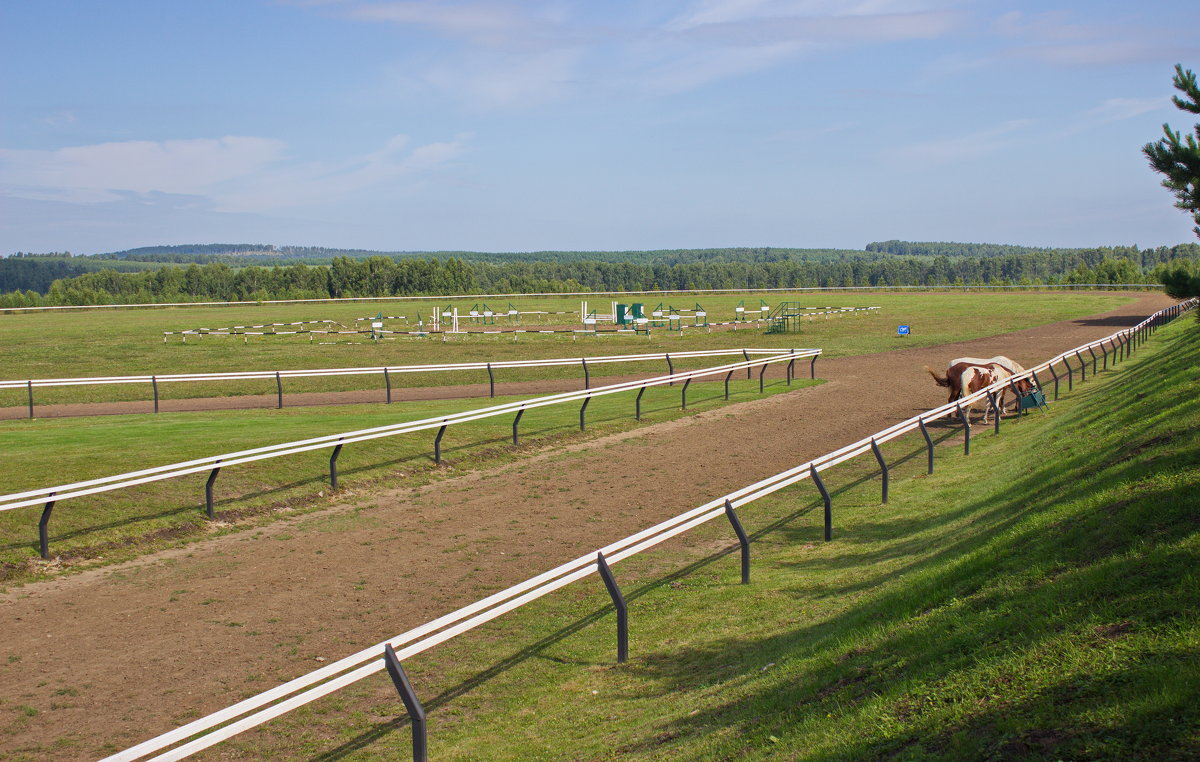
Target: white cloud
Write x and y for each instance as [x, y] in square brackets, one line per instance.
[1053, 38]
[827, 30]
[467, 19]
[493, 80]
[509, 56]
[963, 147]
[733, 11]
[687, 71]
[232, 174]
[173, 166]
[1116, 109]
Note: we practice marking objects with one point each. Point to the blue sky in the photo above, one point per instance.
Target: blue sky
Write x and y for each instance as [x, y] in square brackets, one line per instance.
[630, 124]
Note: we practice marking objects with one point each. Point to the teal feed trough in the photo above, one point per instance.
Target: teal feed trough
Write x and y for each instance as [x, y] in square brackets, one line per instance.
[1033, 399]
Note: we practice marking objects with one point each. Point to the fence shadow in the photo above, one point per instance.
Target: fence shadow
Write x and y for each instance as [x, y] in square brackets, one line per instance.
[535, 650]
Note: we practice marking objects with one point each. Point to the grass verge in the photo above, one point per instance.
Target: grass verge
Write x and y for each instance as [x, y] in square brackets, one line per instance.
[1038, 599]
[126, 523]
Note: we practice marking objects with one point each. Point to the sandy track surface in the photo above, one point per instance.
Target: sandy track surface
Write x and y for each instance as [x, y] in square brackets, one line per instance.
[119, 655]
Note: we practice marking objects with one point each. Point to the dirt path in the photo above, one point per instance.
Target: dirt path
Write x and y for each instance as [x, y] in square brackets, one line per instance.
[119, 655]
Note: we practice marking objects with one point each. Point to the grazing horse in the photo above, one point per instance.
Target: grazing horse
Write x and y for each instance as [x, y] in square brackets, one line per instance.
[1012, 367]
[1004, 368]
[975, 378]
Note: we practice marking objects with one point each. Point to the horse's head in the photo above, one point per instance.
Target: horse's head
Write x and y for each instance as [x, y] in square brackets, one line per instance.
[1024, 386]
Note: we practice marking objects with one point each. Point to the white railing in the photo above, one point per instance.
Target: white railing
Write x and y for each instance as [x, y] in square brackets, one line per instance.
[158, 473]
[377, 370]
[282, 699]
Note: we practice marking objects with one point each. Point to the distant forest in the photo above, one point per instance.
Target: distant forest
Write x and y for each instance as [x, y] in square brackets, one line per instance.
[248, 272]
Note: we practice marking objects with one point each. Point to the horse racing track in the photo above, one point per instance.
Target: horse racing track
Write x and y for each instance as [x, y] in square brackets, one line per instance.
[101, 660]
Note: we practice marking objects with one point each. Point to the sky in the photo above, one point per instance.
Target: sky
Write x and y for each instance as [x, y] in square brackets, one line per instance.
[568, 125]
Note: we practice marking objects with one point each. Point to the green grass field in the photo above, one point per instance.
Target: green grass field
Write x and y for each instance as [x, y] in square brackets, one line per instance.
[125, 342]
[125, 523]
[129, 522]
[1038, 599]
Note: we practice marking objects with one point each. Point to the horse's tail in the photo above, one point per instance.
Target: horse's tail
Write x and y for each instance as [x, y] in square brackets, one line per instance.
[939, 379]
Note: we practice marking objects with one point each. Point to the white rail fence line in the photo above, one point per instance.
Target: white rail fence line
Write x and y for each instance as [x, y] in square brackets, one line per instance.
[386, 371]
[48, 497]
[277, 701]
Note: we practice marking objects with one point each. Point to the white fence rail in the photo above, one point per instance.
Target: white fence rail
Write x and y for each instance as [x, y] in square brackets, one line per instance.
[277, 701]
[50, 496]
[250, 375]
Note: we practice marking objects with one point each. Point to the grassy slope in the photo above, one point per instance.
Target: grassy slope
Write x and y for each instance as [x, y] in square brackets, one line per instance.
[1038, 599]
[119, 342]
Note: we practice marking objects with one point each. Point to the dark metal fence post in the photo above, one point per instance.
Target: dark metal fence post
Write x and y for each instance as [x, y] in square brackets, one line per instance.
[762, 371]
[30, 385]
[337, 450]
[882, 467]
[791, 368]
[437, 446]
[154, 383]
[928, 443]
[1070, 375]
[812, 367]
[995, 408]
[412, 705]
[387, 380]
[746, 355]
[1082, 366]
[279, 390]
[637, 405]
[743, 540]
[816, 477]
[670, 368]
[619, 604]
[208, 490]
[1092, 352]
[684, 396]
[587, 378]
[728, 376]
[44, 528]
[966, 430]
[517, 422]
[1105, 353]
[582, 410]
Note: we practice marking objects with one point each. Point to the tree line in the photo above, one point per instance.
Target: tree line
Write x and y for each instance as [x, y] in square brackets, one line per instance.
[386, 276]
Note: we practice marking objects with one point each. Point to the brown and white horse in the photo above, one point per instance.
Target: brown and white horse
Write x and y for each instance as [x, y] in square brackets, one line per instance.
[1000, 367]
[975, 378]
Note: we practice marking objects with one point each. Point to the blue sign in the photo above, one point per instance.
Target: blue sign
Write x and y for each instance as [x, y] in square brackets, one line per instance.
[902, 330]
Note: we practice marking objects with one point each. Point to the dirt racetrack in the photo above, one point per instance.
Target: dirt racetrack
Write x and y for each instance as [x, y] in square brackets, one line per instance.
[112, 657]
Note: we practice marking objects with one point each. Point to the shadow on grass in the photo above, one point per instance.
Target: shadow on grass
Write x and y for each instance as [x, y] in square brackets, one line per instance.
[1026, 597]
[536, 650]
